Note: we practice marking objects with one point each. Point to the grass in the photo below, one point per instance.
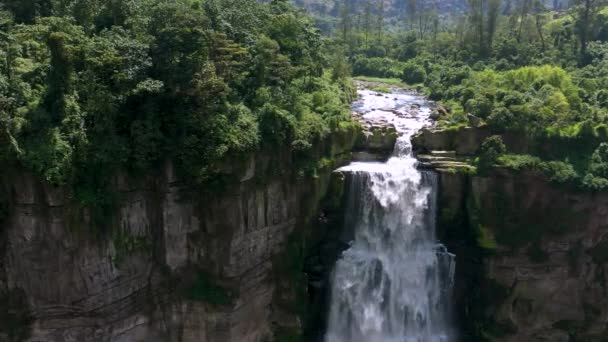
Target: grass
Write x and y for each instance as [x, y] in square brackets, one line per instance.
[389, 81]
[381, 89]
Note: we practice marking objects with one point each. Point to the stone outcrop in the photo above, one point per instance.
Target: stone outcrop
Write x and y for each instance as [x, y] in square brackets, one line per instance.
[166, 262]
[376, 140]
[445, 161]
[463, 140]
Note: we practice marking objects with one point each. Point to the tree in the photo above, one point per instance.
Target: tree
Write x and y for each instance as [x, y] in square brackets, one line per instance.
[367, 21]
[346, 22]
[476, 18]
[381, 19]
[524, 9]
[491, 149]
[411, 8]
[61, 77]
[585, 14]
[492, 20]
[26, 10]
[539, 20]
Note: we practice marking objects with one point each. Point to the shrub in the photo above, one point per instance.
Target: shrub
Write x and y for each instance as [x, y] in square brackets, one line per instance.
[501, 119]
[599, 161]
[491, 149]
[377, 67]
[480, 106]
[413, 73]
[559, 172]
[555, 171]
[276, 126]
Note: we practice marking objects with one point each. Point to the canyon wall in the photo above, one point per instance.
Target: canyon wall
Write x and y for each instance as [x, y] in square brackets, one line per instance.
[168, 262]
[532, 255]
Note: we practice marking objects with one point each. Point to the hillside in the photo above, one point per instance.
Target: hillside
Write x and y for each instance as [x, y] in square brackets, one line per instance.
[396, 8]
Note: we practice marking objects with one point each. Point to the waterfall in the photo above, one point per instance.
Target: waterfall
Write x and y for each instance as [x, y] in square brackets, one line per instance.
[394, 282]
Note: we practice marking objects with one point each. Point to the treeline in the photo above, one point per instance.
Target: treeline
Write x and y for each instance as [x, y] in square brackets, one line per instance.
[91, 86]
[517, 67]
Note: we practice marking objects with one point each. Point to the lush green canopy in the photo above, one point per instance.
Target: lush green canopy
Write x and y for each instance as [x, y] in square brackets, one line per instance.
[89, 86]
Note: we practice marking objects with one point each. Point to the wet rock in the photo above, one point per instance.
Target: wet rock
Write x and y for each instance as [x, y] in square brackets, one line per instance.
[435, 115]
[378, 136]
[442, 111]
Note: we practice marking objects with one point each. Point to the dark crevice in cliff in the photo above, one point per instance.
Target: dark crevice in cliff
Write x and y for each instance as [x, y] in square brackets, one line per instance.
[326, 247]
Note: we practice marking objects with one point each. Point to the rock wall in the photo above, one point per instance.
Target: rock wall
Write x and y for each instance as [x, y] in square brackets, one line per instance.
[168, 263]
[532, 255]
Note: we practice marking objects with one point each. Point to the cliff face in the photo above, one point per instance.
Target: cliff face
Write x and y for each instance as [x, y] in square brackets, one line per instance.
[168, 263]
[531, 254]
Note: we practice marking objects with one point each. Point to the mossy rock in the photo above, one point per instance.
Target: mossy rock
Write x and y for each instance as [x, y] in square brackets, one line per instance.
[203, 288]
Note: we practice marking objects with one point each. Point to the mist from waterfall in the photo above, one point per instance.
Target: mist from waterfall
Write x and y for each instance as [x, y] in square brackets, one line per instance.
[394, 282]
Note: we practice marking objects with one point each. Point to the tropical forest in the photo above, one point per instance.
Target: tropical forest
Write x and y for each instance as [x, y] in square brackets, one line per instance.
[303, 170]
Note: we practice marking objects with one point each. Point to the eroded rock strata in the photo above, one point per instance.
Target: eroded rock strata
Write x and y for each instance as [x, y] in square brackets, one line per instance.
[168, 262]
[531, 254]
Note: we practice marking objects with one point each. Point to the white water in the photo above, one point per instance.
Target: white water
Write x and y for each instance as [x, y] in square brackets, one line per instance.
[393, 284]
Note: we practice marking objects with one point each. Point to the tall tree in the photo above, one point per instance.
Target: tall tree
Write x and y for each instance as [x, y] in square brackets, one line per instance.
[346, 22]
[381, 18]
[476, 18]
[411, 12]
[367, 21]
[585, 13]
[25, 11]
[539, 20]
[492, 20]
[524, 10]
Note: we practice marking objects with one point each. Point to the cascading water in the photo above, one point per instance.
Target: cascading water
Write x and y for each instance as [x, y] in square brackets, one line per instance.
[393, 284]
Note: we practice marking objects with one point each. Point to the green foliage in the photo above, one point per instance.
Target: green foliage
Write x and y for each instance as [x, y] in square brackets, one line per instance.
[599, 161]
[277, 126]
[389, 81]
[489, 153]
[377, 67]
[49, 154]
[381, 89]
[597, 178]
[413, 73]
[556, 171]
[89, 87]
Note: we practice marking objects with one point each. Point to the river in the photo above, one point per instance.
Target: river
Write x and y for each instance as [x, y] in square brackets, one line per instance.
[394, 282]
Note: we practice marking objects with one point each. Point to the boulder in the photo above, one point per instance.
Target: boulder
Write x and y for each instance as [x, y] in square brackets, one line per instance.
[378, 138]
